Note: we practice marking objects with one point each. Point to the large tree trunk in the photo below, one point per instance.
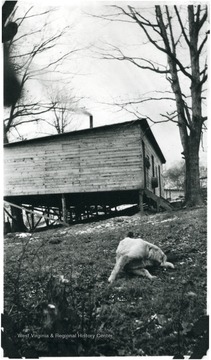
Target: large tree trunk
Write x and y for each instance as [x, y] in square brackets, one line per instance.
[193, 196]
[190, 118]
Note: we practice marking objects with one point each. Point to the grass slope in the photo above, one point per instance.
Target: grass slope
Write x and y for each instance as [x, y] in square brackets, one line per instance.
[68, 268]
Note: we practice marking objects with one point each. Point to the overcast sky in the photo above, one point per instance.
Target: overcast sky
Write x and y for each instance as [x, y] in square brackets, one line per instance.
[102, 82]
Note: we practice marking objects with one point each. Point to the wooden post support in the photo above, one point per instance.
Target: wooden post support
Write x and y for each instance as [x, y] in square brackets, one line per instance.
[71, 215]
[87, 211]
[32, 218]
[96, 210]
[141, 205]
[17, 216]
[158, 205]
[28, 220]
[48, 213]
[64, 208]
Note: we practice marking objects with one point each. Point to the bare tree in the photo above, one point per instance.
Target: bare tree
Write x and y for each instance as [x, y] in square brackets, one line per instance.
[175, 176]
[64, 105]
[180, 34]
[31, 46]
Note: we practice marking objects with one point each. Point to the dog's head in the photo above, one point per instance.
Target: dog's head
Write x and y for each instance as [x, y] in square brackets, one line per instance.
[157, 256]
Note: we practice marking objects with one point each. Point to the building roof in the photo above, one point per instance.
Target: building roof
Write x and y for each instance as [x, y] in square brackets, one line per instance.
[143, 123]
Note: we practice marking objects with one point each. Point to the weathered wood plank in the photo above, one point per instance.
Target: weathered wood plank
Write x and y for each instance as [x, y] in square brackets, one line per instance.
[92, 161]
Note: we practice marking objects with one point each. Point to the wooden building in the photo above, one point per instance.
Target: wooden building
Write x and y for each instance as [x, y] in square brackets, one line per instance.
[108, 166]
[174, 194]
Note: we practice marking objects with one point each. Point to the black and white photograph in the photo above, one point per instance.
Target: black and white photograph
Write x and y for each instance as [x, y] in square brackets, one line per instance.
[104, 147]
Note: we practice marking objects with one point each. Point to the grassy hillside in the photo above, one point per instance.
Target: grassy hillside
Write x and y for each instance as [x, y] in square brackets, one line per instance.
[58, 301]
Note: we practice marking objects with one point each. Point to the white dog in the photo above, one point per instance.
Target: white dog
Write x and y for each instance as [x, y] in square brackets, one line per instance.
[136, 254]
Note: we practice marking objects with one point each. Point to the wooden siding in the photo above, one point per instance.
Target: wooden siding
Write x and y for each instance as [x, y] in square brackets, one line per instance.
[98, 160]
[149, 152]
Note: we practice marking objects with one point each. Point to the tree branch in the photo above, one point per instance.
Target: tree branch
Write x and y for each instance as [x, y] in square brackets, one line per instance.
[203, 19]
[202, 44]
[163, 35]
[181, 25]
[167, 49]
